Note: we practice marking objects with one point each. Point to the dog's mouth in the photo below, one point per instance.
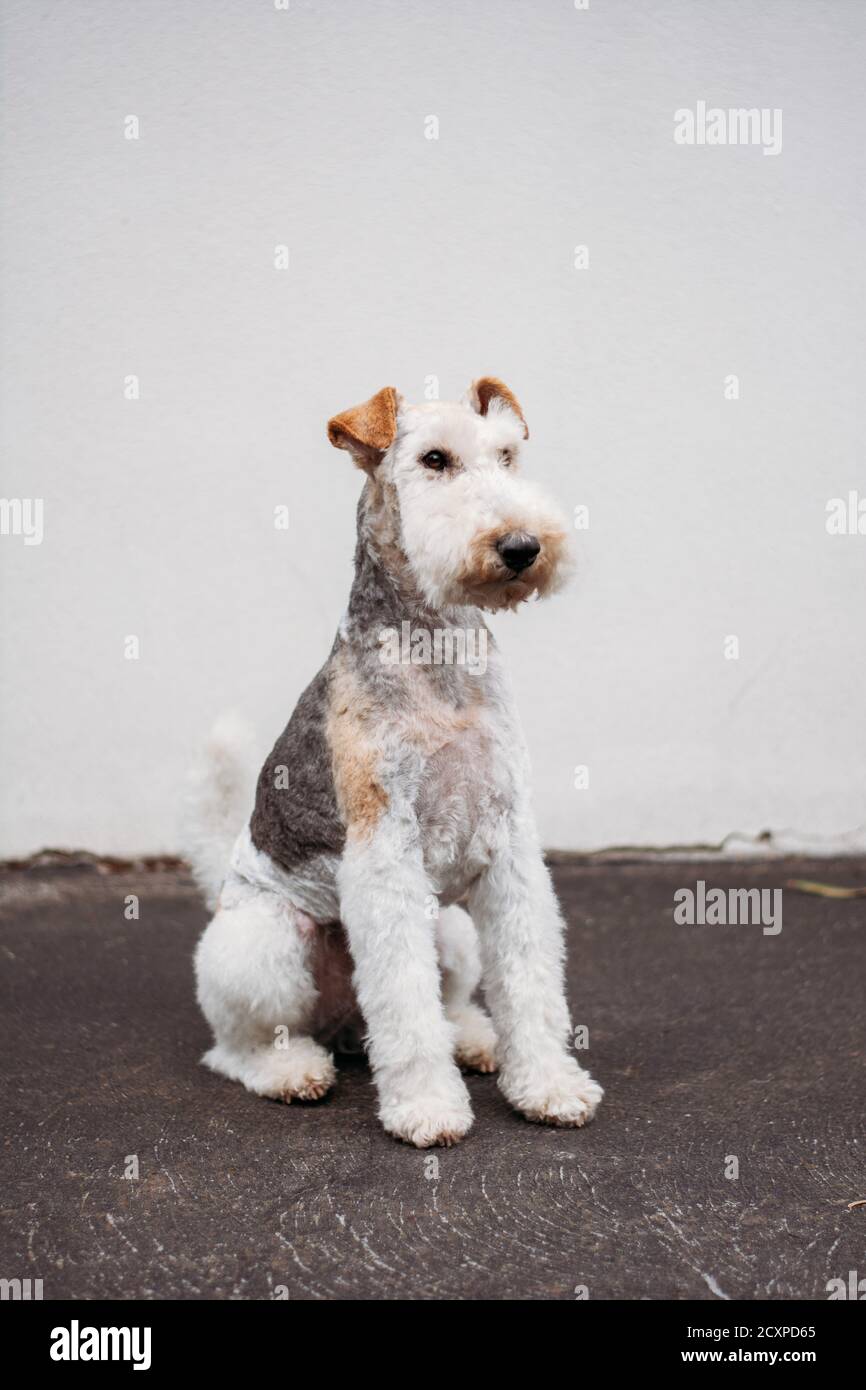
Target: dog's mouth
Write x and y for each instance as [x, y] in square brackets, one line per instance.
[508, 589]
[510, 566]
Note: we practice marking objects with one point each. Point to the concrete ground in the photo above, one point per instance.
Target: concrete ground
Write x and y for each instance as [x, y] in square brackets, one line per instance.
[717, 1046]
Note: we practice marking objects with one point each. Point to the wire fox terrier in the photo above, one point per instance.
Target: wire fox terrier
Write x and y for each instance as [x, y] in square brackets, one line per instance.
[399, 788]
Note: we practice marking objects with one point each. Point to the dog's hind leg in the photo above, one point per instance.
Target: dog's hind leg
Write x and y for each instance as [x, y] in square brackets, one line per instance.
[256, 989]
[460, 963]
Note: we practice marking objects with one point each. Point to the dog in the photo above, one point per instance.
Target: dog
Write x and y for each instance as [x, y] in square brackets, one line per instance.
[398, 791]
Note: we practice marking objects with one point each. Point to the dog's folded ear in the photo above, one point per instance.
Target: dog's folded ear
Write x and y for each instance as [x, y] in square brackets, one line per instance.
[367, 430]
[490, 388]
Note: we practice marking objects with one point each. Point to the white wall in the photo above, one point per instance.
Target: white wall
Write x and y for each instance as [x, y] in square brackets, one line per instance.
[412, 257]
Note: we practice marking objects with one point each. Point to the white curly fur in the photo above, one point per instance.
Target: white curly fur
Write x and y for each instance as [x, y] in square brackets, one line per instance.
[218, 797]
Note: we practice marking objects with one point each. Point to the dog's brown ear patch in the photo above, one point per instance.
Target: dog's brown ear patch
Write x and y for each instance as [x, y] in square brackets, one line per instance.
[489, 388]
[367, 430]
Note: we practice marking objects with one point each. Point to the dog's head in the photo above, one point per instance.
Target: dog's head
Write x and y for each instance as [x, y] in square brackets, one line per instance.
[446, 496]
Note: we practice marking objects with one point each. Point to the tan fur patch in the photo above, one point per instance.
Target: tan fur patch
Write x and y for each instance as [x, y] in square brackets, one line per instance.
[367, 430]
[360, 796]
[488, 388]
[485, 578]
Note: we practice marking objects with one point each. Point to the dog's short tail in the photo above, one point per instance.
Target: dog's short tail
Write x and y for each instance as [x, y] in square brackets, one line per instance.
[219, 797]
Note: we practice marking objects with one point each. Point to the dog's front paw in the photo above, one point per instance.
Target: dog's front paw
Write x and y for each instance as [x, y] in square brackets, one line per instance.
[566, 1096]
[425, 1122]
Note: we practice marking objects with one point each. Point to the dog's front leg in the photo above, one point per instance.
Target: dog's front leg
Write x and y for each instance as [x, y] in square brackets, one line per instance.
[515, 909]
[384, 891]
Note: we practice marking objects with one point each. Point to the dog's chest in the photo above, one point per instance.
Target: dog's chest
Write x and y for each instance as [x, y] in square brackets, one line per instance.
[465, 785]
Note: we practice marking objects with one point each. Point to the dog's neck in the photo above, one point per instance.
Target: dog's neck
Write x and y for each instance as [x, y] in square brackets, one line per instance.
[384, 591]
[388, 616]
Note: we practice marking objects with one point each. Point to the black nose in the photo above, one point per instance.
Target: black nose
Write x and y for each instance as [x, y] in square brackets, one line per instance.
[518, 550]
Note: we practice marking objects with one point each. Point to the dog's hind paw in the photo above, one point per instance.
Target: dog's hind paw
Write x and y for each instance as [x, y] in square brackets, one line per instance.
[307, 1088]
[475, 1047]
[302, 1070]
[306, 1078]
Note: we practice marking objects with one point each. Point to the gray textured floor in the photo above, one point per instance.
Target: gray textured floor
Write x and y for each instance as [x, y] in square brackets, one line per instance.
[710, 1041]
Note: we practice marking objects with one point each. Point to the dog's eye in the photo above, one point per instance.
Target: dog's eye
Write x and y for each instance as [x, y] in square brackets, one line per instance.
[435, 460]
[506, 457]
